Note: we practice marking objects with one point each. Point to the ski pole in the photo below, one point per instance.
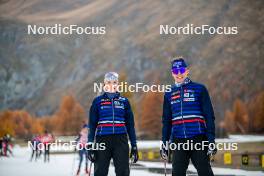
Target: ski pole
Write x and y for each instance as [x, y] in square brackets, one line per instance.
[211, 158]
[91, 164]
[165, 167]
[90, 168]
[73, 163]
[131, 162]
[165, 164]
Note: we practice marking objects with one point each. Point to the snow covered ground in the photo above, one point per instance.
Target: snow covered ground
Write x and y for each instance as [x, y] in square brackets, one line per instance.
[231, 138]
[65, 165]
[216, 170]
[148, 144]
[59, 165]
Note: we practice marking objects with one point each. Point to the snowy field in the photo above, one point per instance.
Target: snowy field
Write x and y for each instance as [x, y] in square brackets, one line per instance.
[231, 138]
[66, 164]
[59, 165]
[147, 144]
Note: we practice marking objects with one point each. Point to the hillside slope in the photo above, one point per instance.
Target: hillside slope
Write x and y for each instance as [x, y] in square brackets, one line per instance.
[35, 71]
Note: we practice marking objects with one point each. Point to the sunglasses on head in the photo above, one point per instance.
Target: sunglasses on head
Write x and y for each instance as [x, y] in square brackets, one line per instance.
[177, 71]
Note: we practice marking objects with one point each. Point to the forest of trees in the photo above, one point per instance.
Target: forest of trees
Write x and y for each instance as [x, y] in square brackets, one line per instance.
[243, 118]
[151, 113]
[67, 120]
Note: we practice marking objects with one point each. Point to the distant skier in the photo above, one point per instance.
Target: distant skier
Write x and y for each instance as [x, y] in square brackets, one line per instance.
[82, 140]
[1, 146]
[188, 117]
[35, 144]
[46, 140]
[110, 120]
[7, 146]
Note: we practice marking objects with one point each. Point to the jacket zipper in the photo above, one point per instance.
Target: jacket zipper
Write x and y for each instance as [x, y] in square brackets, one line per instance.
[181, 113]
[113, 116]
[199, 127]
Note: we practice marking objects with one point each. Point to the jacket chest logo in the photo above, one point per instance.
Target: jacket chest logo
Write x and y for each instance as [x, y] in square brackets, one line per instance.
[107, 104]
[187, 96]
[118, 104]
[188, 99]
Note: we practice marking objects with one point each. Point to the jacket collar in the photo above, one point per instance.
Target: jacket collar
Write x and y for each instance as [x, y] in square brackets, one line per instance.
[117, 94]
[186, 81]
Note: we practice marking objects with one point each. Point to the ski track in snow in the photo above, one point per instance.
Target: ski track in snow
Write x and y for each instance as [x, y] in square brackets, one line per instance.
[59, 165]
[66, 164]
[146, 144]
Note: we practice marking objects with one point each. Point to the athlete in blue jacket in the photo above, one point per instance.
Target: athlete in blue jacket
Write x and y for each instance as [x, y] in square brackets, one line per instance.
[110, 121]
[188, 117]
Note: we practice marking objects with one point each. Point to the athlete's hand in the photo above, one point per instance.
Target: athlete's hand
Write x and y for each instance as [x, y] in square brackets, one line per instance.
[134, 154]
[212, 150]
[164, 152]
[91, 153]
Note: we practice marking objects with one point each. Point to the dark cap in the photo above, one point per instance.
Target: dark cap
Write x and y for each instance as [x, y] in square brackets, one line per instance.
[85, 126]
[178, 63]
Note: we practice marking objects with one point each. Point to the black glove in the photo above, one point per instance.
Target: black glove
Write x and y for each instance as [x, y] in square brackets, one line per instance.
[91, 156]
[91, 153]
[164, 152]
[212, 150]
[134, 154]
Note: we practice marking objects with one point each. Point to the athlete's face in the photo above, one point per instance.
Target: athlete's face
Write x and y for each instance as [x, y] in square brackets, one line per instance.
[180, 75]
[85, 130]
[111, 86]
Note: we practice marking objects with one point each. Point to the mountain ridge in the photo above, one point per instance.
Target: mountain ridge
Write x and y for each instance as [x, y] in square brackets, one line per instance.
[36, 71]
